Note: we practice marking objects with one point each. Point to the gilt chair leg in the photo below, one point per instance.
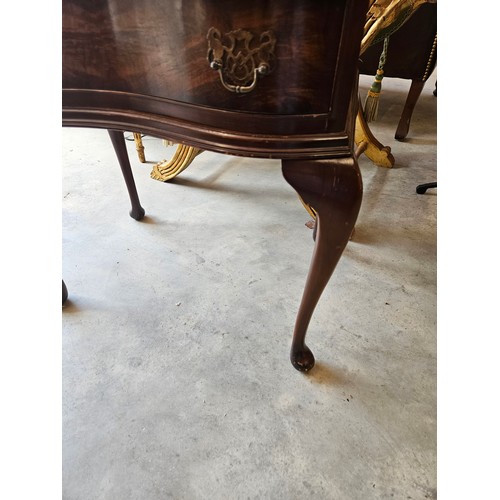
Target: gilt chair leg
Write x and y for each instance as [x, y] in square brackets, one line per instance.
[373, 149]
[139, 147]
[167, 170]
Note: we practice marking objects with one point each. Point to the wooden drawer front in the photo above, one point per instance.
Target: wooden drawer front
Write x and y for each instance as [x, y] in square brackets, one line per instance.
[159, 48]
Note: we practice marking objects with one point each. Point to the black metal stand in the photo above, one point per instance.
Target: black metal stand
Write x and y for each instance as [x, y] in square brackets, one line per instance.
[422, 188]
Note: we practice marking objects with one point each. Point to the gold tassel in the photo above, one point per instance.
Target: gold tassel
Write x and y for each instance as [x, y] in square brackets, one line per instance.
[372, 99]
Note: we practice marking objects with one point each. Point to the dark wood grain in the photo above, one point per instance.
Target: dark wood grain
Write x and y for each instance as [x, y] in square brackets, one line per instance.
[159, 48]
[142, 66]
[151, 57]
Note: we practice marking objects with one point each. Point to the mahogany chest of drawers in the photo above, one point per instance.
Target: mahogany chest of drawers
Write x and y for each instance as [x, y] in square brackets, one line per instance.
[273, 79]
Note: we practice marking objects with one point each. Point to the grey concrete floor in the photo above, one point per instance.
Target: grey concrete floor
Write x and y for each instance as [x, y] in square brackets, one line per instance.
[176, 376]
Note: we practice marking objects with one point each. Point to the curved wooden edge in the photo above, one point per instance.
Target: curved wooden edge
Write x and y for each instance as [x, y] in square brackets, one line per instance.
[334, 188]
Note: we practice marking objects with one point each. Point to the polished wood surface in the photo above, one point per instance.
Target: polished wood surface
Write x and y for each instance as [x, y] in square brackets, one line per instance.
[334, 189]
[121, 62]
[148, 67]
[159, 49]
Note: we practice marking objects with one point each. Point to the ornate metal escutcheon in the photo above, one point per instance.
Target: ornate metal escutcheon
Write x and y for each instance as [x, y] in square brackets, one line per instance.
[240, 57]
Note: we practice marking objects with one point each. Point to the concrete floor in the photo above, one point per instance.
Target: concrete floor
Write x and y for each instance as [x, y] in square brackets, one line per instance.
[176, 376]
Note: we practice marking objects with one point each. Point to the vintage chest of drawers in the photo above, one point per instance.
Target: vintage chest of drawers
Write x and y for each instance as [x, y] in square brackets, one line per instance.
[274, 79]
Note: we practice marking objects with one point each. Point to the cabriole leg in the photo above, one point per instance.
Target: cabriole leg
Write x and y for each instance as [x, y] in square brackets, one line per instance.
[333, 188]
[137, 212]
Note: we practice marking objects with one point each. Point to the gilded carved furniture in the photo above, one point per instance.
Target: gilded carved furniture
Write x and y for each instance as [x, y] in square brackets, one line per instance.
[182, 158]
[190, 74]
[384, 18]
[168, 169]
[139, 146]
[411, 53]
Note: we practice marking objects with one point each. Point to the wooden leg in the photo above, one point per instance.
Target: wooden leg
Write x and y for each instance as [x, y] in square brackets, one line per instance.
[183, 157]
[64, 292]
[333, 188]
[137, 212]
[139, 147]
[310, 210]
[412, 98]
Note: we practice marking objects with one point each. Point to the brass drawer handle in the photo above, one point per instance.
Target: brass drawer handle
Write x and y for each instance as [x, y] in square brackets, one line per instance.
[238, 59]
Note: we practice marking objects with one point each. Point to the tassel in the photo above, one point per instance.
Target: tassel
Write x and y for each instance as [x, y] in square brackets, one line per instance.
[372, 99]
